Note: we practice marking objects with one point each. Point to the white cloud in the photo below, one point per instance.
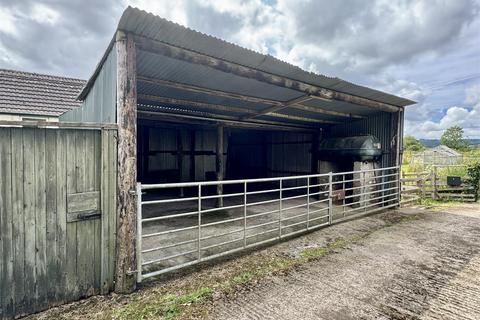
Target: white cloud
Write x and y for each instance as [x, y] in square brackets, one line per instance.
[42, 13]
[416, 49]
[467, 117]
[8, 22]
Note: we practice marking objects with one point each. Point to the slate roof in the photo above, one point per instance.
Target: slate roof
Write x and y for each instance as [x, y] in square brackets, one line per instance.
[37, 94]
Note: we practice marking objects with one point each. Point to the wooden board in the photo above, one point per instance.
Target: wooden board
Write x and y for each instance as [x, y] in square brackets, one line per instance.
[47, 175]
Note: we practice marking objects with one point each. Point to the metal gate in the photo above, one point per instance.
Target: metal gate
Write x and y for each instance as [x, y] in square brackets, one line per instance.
[181, 224]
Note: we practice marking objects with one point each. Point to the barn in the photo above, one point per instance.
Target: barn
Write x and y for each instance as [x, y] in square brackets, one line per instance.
[186, 148]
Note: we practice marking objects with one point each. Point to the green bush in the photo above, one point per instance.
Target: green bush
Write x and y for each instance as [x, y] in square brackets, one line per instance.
[473, 171]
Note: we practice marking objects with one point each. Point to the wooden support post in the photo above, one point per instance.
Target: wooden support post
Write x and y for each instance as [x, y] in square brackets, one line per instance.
[315, 162]
[398, 153]
[127, 164]
[180, 158]
[146, 151]
[192, 155]
[219, 164]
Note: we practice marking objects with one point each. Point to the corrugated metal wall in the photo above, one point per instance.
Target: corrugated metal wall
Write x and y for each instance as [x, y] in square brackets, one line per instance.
[383, 126]
[248, 154]
[289, 153]
[253, 153]
[163, 149]
[100, 104]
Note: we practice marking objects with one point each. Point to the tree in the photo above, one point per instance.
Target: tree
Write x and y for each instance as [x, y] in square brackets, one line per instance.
[410, 143]
[453, 138]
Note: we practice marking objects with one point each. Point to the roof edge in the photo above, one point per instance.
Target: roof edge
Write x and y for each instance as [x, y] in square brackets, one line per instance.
[83, 94]
[86, 89]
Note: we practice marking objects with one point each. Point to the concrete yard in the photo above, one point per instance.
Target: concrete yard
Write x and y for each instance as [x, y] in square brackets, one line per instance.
[412, 263]
[426, 268]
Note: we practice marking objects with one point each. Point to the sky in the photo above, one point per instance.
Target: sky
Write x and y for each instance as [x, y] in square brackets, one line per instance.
[428, 51]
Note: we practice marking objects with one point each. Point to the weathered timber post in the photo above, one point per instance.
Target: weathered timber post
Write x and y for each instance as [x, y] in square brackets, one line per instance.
[180, 159]
[192, 155]
[219, 164]
[315, 160]
[398, 154]
[127, 163]
[434, 183]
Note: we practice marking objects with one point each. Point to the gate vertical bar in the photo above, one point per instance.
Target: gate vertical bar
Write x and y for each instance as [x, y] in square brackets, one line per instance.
[308, 203]
[343, 201]
[199, 222]
[280, 212]
[364, 190]
[245, 214]
[139, 231]
[330, 203]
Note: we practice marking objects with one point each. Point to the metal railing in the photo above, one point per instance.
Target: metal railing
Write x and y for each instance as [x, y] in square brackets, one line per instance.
[175, 232]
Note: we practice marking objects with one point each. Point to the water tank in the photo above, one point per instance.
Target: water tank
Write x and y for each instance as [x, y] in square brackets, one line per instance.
[359, 148]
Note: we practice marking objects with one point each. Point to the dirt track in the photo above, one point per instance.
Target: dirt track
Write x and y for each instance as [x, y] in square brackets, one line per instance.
[426, 268]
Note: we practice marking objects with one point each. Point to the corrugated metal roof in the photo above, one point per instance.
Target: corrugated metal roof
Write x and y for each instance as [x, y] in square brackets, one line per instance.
[37, 94]
[154, 27]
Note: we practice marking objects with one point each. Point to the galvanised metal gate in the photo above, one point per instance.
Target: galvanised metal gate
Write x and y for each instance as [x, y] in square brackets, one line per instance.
[181, 224]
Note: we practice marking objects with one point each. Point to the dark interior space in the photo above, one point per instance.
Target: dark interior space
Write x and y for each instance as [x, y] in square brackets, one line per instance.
[168, 152]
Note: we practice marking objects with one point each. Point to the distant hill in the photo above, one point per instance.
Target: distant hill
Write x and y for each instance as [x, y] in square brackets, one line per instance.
[430, 143]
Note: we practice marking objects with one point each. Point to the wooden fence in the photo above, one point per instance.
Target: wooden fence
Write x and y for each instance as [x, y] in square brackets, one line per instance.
[57, 216]
[429, 184]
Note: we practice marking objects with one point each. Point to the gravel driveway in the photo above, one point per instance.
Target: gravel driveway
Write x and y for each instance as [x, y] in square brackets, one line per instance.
[427, 268]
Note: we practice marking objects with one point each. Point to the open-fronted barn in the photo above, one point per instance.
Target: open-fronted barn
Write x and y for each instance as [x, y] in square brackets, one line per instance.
[186, 148]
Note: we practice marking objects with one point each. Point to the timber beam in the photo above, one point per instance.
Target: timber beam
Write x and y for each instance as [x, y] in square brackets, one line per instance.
[229, 95]
[219, 107]
[270, 110]
[228, 122]
[158, 47]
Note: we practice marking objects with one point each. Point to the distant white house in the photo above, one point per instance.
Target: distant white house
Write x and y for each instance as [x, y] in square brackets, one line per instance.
[440, 155]
[33, 96]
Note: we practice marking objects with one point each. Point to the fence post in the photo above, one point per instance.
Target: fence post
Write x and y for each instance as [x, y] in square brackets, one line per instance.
[139, 231]
[434, 182]
[330, 203]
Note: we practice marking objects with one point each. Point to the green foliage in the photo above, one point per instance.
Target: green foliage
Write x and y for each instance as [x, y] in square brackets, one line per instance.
[453, 138]
[473, 171]
[410, 143]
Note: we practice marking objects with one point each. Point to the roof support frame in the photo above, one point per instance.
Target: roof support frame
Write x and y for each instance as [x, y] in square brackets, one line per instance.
[179, 117]
[211, 106]
[161, 48]
[229, 95]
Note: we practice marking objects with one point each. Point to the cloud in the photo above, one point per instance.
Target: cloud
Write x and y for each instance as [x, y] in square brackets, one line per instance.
[467, 116]
[423, 50]
[65, 38]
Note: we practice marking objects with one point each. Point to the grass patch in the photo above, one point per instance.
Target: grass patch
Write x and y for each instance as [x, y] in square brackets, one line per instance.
[164, 307]
[317, 252]
[438, 204]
